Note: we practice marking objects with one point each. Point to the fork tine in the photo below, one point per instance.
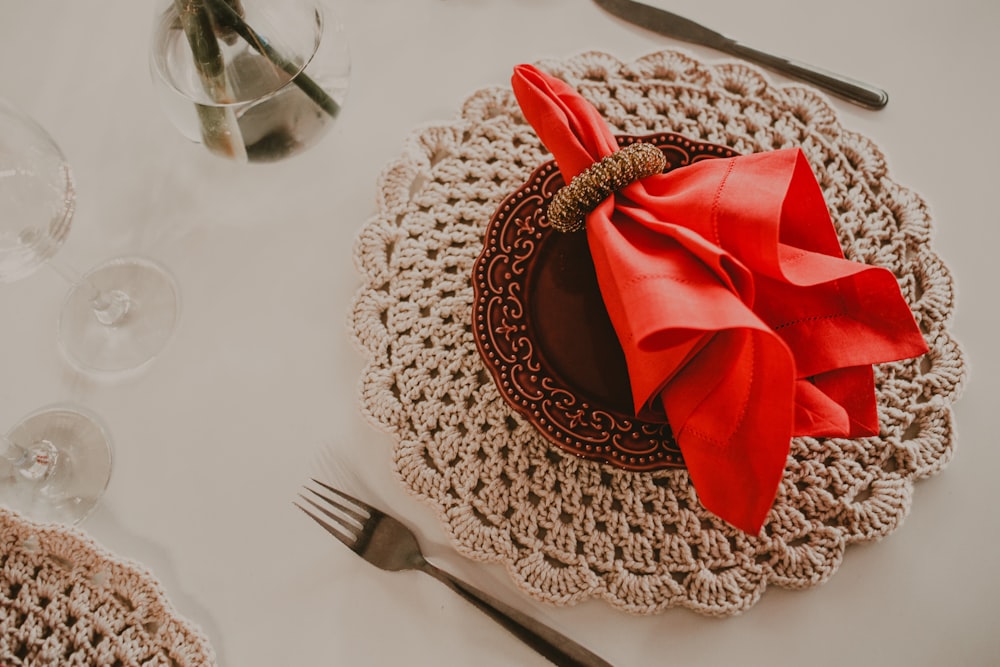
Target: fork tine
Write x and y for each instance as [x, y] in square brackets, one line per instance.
[349, 539]
[346, 515]
[349, 520]
[365, 507]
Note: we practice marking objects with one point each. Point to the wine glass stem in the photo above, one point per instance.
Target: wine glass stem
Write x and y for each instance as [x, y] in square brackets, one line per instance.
[110, 307]
[34, 463]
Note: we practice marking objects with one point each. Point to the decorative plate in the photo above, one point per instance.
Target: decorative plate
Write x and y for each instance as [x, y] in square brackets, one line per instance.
[541, 327]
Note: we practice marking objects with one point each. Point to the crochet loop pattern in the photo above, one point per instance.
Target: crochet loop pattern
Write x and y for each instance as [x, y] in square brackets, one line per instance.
[65, 600]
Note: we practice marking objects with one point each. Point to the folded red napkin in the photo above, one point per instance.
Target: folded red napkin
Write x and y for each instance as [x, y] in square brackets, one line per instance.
[738, 314]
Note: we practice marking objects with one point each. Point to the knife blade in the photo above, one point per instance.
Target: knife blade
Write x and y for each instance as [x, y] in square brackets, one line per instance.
[671, 25]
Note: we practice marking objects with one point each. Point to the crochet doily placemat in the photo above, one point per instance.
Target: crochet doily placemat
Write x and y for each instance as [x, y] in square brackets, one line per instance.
[65, 600]
[566, 528]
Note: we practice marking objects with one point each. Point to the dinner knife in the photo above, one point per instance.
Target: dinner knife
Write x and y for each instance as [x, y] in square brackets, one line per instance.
[678, 27]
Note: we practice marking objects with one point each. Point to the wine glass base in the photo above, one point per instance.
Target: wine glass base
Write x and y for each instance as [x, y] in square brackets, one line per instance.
[80, 474]
[96, 339]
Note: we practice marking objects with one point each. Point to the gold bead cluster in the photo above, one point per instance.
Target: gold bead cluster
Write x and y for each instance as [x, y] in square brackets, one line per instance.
[569, 207]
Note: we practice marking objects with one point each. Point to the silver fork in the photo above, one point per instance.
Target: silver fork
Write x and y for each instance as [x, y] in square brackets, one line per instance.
[388, 544]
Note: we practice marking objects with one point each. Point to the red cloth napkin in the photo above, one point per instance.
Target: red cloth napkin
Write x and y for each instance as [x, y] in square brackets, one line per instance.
[738, 314]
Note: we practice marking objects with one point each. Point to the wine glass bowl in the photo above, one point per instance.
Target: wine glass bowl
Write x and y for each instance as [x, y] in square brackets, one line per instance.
[251, 80]
[37, 197]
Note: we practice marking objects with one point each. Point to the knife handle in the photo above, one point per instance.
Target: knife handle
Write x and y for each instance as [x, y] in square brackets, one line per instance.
[858, 92]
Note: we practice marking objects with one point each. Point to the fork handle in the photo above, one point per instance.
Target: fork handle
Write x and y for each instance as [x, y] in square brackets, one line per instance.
[558, 648]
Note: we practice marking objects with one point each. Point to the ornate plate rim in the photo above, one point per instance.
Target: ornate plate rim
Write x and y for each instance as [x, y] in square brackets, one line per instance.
[519, 367]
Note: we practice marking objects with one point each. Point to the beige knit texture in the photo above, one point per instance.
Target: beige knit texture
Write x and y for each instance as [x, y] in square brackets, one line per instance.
[65, 601]
[569, 529]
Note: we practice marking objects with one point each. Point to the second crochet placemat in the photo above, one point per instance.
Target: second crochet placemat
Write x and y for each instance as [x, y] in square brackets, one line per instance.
[568, 529]
[65, 600]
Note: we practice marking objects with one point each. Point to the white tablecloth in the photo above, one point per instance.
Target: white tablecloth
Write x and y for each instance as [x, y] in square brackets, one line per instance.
[258, 389]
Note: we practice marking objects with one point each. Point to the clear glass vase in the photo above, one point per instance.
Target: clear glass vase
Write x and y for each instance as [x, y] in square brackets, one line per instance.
[251, 80]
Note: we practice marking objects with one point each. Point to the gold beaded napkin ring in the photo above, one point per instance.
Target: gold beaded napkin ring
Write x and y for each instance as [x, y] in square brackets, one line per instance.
[569, 207]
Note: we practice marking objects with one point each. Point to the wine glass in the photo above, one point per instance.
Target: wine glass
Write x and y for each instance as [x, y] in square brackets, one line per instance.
[251, 80]
[56, 462]
[119, 315]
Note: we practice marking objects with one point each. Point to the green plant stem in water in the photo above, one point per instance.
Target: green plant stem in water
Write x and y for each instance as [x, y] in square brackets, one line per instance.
[225, 33]
[219, 130]
[229, 17]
